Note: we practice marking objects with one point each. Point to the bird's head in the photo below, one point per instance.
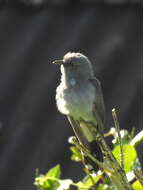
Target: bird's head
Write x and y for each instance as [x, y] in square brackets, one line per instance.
[75, 65]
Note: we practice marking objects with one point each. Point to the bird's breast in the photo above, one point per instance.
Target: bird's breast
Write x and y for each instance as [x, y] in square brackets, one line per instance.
[76, 101]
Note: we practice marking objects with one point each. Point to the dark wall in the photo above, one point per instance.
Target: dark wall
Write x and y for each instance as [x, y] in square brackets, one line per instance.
[33, 133]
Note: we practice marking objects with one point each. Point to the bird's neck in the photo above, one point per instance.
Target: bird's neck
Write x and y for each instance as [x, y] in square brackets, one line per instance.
[68, 81]
[72, 81]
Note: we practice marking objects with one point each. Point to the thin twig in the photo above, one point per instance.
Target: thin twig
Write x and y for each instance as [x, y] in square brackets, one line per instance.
[87, 153]
[116, 122]
[132, 133]
[86, 169]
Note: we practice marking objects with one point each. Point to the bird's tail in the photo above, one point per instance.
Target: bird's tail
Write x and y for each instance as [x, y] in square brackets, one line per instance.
[93, 146]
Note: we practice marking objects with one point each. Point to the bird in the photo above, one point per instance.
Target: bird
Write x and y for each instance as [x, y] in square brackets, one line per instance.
[79, 96]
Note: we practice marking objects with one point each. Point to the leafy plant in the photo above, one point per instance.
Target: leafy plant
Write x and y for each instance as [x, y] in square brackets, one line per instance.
[124, 151]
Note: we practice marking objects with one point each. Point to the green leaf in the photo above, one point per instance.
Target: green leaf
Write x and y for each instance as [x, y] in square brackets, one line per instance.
[43, 183]
[50, 181]
[100, 187]
[76, 155]
[137, 186]
[130, 156]
[105, 187]
[54, 172]
[89, 181]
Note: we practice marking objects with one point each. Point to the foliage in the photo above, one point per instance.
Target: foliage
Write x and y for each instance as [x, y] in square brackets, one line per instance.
[98, 179]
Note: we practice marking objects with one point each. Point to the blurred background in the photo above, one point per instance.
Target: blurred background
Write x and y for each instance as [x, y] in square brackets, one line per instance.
[33, 33]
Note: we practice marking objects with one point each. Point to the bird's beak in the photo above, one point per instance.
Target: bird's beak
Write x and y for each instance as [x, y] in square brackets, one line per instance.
[58, 62]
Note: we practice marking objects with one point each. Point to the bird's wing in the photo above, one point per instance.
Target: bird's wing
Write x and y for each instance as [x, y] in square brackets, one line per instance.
[98, 108]
[78, 132]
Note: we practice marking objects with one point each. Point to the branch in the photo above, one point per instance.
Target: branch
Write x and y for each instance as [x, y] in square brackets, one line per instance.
[117, 127]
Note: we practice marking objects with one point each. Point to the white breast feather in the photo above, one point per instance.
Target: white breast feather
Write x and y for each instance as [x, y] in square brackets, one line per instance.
[77, 105]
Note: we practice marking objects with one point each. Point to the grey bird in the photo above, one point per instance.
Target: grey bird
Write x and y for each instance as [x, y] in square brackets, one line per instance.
[79, 97]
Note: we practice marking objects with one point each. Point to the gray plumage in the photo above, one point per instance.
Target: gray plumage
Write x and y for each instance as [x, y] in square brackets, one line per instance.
[79, 97]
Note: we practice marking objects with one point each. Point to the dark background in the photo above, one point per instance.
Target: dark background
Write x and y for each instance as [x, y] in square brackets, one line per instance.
[33, 134]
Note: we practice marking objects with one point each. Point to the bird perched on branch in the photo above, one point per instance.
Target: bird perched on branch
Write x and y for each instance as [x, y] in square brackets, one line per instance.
[79, 97]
